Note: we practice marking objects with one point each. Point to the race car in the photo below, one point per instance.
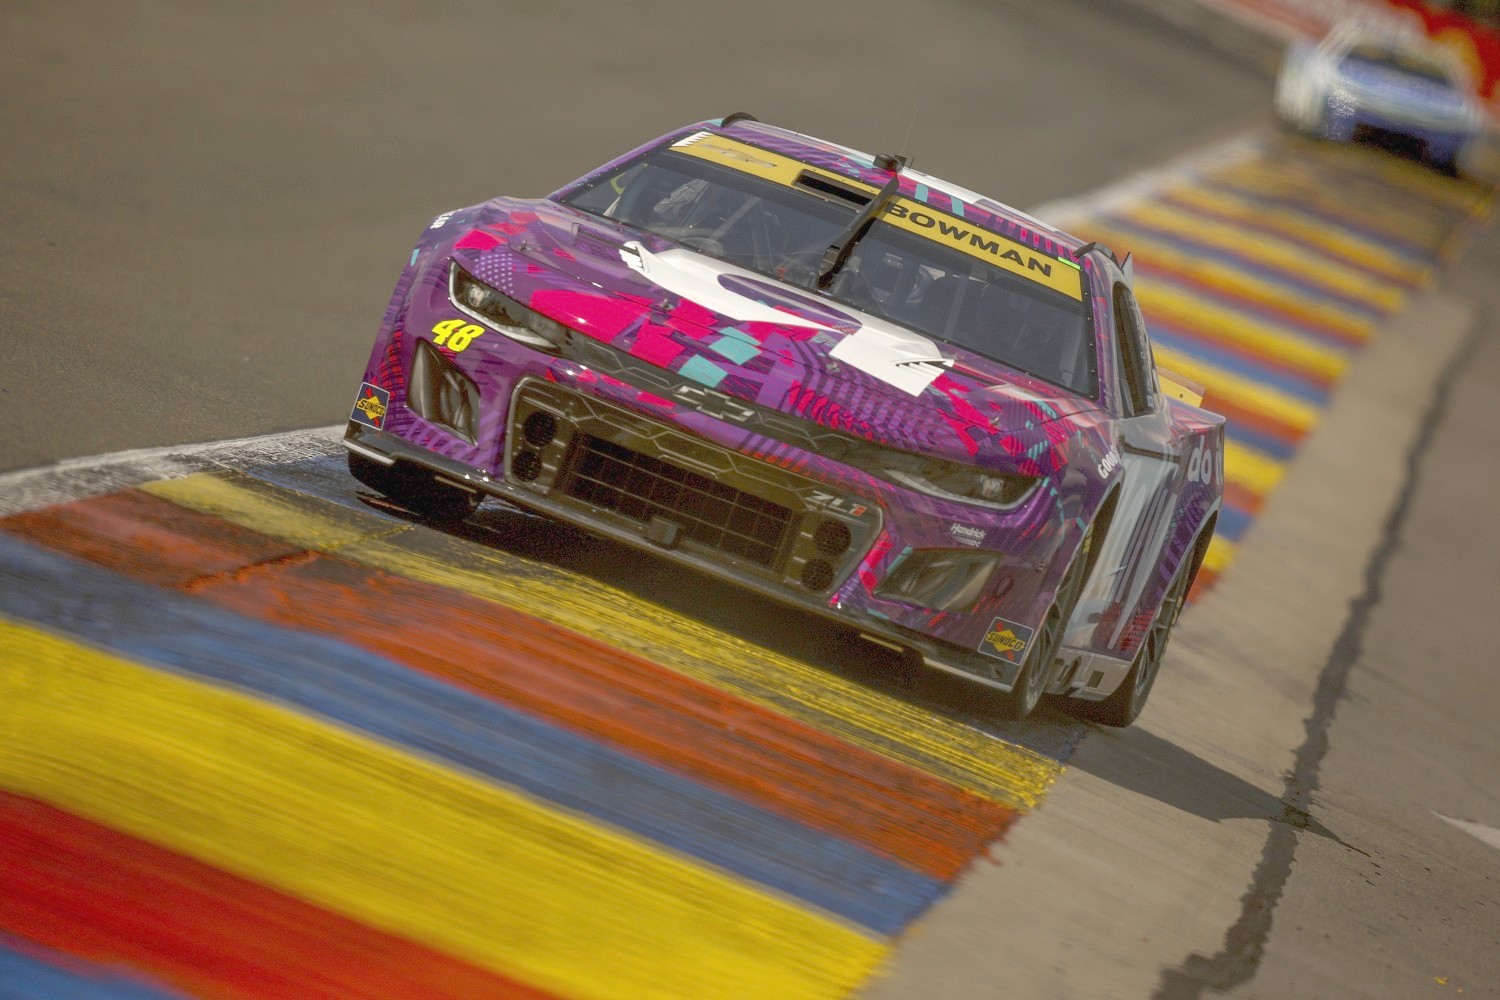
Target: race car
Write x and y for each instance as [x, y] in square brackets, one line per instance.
[1402, 93]
[825, 377]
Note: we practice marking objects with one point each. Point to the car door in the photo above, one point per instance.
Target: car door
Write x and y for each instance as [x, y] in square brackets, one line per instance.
[1147, 464]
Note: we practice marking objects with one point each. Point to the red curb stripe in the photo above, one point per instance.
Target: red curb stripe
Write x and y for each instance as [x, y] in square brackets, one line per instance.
[1257, 308]
[775, 762]
[85, 890]
[145, 537]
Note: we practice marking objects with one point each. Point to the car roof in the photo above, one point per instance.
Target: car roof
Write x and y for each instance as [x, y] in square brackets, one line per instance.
[1393, 39]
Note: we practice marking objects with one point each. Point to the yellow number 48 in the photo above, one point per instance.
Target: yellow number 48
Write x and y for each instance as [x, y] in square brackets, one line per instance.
[455, 334]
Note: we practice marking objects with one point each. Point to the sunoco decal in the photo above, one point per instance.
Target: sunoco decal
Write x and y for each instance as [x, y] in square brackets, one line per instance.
[370, 406]
[1006, 640]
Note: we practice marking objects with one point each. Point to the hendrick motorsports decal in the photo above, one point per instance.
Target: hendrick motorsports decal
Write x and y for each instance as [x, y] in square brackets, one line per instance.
[1006, 640]
[370, 406]
[967, 534]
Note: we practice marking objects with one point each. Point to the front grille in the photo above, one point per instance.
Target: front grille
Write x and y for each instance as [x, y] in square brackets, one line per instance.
[1396, 143]
[709, 513]
[606, 466]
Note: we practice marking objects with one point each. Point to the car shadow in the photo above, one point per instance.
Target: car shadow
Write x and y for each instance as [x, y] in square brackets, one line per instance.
[1133, 758]
[805, 636]
[1140, 761]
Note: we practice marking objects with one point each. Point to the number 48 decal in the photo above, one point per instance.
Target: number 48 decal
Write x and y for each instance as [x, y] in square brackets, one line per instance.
[455, 334]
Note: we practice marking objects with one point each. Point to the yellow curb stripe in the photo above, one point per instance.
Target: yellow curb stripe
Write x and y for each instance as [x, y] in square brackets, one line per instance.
[1308, 229]
[396, 841]
[1410, 179]
[1245, 393]
[1203, 318]
[1358, 207]
[969, 758]
[1220, 554]
[1251, 469]
[1230, 280]
[1284, 255]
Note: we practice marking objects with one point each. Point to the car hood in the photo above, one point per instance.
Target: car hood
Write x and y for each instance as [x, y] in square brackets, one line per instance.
[767, 342]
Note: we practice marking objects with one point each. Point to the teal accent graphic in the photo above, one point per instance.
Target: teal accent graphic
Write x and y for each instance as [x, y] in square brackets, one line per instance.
[736, 345]
[703, 371]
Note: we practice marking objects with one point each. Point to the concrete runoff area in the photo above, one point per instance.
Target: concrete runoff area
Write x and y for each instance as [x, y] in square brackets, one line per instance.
[1272, 825]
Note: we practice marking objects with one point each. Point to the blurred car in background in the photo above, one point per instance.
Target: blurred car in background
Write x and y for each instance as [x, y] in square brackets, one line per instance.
[1402, 93]
[823, 377]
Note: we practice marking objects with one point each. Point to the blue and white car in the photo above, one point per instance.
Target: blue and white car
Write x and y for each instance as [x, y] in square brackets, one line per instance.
[1401, 93]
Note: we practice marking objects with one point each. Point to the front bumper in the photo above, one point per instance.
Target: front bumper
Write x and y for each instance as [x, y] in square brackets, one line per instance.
[1434, 142]
[780, 563]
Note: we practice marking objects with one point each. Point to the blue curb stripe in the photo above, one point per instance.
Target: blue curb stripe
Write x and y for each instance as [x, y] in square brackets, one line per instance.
[1247, 264]
[1411, 251]
[29, 976]
[1175, 338]
[366, 692]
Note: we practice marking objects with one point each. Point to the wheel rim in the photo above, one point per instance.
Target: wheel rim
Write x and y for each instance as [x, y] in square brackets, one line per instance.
[1049, 636]
[1041, 658]
[1154, 645]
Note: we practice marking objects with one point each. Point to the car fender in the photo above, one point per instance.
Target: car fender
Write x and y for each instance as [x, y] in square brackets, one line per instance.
[1156, 514]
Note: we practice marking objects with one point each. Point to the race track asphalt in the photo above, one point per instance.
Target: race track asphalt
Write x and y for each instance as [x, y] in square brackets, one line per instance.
[203, 209]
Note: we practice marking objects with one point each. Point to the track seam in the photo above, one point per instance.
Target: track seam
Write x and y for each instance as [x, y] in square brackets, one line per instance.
[1245, 941]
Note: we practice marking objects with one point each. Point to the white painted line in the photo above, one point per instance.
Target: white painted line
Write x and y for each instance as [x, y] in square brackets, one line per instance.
[76, 478]
[1067, 212]
[1488, 834]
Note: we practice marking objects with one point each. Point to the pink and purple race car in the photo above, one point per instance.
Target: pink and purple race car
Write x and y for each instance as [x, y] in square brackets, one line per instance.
[827, 378]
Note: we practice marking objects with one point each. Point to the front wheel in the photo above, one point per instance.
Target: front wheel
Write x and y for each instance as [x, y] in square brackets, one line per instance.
[1124, 705]
[1036, 671]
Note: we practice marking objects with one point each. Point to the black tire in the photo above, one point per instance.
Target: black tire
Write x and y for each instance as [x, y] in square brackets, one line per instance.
[1036, 671]
[1448, 166]
[1124, 705]
[414, 489]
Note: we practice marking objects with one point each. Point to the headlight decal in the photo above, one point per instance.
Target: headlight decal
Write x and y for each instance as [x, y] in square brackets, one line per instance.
[952, 481]
[504, 314]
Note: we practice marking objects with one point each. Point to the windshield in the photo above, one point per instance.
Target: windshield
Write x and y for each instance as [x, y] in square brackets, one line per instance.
[1410, 63]
[781, 226]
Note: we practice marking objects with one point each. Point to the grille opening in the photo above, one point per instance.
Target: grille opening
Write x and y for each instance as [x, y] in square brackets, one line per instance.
[540, 428]
[441, 393]
[830, 188]
[526, 466]
[817, 575]
[711, 513]
[832, 538]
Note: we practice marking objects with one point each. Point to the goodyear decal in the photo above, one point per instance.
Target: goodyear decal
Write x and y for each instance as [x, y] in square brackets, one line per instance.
[903, 213]
[1006, 640]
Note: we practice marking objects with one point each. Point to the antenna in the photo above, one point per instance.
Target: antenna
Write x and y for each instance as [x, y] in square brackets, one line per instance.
[910, 125]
